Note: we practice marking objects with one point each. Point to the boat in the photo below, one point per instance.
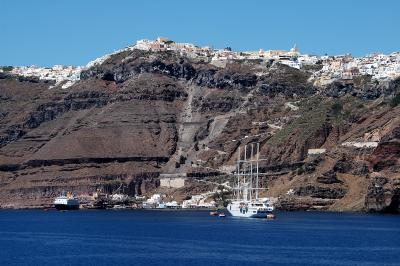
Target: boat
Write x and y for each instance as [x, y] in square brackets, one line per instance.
[246, 201]
[222, 215]
[214, 213]
[119, 207]
[66, 202]
[250, 208]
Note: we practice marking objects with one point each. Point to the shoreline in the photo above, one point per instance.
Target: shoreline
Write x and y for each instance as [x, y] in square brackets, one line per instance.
[44, 209]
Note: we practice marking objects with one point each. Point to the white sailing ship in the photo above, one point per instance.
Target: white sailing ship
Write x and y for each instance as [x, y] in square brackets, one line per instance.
[246, 201]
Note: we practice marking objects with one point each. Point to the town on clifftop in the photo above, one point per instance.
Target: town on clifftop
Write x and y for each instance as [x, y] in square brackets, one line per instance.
[325, 69]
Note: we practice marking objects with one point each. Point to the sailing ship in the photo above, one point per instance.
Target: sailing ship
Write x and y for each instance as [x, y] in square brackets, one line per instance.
[246, 201]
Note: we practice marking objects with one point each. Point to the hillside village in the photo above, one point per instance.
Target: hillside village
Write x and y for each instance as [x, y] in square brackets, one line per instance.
[326, 69]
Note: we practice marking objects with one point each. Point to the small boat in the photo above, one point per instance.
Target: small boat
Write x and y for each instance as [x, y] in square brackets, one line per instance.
[214, 213]
[222, 215]
[270, 216]
[119, 207]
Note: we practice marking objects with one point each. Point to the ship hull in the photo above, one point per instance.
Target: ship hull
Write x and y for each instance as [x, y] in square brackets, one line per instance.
[237, 213]
[66, 207]
[248, 210]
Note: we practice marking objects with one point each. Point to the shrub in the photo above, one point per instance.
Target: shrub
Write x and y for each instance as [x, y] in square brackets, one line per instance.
[300, 171]
[337, 108]
[395, 101]
[182, 159]
[7, 68]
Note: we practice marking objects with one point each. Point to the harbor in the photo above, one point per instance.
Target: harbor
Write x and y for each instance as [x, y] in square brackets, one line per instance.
[245, 191]
[118, 201]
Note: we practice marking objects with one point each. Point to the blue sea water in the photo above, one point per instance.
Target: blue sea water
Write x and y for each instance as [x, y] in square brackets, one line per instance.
[195, 238]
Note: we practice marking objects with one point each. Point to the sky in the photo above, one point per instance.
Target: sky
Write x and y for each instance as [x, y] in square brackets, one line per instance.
[73, 32]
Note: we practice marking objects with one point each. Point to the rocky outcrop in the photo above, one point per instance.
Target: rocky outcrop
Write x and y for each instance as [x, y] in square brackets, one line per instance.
[320, 192]
[328, 178]
[285, 81]
[383, 195]
[387, 154]
[363, 88]
[304, 204]
[216, 102]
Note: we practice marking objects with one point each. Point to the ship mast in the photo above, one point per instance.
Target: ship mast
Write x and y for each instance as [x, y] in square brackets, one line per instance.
[246, 183]
[251, 172]
[258, 157]
[237, 191]
[245, 189]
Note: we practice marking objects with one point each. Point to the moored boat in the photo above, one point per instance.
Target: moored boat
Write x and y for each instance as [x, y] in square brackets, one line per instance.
[66, 202]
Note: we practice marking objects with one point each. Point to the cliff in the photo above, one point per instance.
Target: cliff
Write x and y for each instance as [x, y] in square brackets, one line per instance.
[139, 114]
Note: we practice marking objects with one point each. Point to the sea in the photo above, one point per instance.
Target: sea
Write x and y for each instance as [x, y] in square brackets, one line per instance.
[126, 237]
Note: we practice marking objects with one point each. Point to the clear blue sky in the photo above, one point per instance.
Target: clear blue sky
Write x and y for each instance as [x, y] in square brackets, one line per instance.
[73, 32]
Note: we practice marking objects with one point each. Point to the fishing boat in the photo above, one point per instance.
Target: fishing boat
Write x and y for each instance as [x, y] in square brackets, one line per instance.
[246, 201]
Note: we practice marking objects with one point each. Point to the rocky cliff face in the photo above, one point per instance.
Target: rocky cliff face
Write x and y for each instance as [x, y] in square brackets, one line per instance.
[140, 114]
